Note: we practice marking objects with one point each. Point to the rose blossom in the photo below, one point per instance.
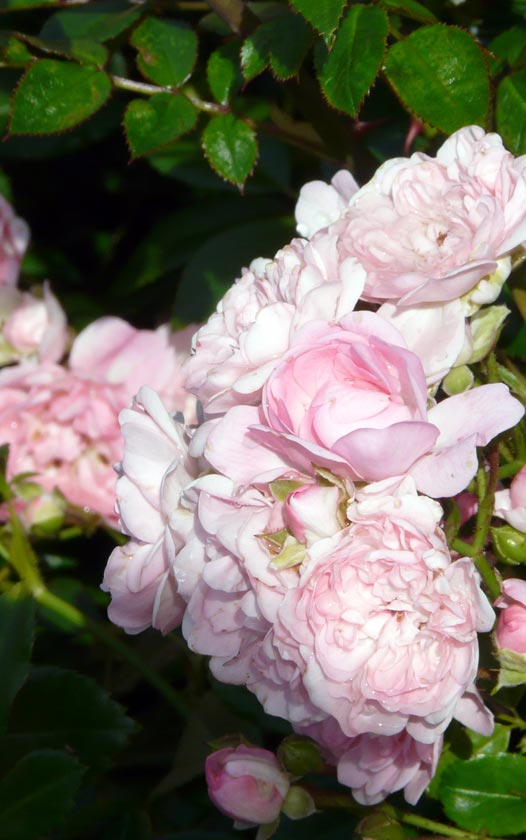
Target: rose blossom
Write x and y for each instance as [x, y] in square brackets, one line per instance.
[377, 765]
[510, 632]
[14, 238]
[429, 229]
[62, 422]
[31, 326]
[511, 504]
[319, 203]
[257, 318]
[381, 628]
[246, 784]
[374, 766]
[351, 398]
[154, 470]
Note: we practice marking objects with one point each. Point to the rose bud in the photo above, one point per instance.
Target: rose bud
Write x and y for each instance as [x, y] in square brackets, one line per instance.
[246, 784]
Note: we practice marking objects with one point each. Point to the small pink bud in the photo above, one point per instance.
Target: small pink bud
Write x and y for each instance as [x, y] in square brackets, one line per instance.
[246, 784]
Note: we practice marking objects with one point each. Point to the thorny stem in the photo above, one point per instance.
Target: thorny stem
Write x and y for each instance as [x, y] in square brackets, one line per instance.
[187, 91]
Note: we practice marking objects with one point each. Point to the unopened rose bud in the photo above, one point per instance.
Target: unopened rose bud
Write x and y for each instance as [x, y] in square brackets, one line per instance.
[300, 755]
[459, 379]
[380, 826]
[298, 804]
[311, 512]
[509, 545]
[247, 784]
[485, 328]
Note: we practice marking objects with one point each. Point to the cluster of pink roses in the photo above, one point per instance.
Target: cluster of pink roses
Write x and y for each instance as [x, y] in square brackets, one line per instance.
[60, 416]
[295, 532]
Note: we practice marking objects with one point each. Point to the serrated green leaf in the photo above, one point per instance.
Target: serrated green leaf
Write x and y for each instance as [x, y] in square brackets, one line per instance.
[17, 623]
[156, 122]
[410, 9]
[496, 743]
[56, 95]
[280, 44]
[98, 21]
[440, 74]
[487, 794]
[81, 49]
[231, 148]
[510, 111]
[37, 793]
[254, 56]
[347, 72]
[324, 15]
[60, 709]
[13, 51]
[223, 72]
[167, 51]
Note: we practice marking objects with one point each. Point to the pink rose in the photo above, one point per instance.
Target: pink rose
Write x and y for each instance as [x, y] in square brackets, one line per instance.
[246, 784]
[154, 470]
[111, 350]
[256, 319]
[62, 423]
[65, 430]
[510, 632]
[381, 627]
[429, 229]
[353, 399]
[31, 326]
[511, 504]
[319, 203]
[14, 238]
[376, 765]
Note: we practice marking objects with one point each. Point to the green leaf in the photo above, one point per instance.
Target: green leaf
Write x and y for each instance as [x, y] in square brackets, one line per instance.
[82, 50]
[254, 55]
[510, 46]
[510, 111]
[410, 9]
[56, 95]
[440, 74]
[496, 743]
[37, 793]
[231, 148]
[155, 122]
[223, 72]
[347, 72]
[13, 52]
[60, 709]
[280, 44]
[98, 21]
[167, 51]
[324, 15]
[487, 794]
[17, 623]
